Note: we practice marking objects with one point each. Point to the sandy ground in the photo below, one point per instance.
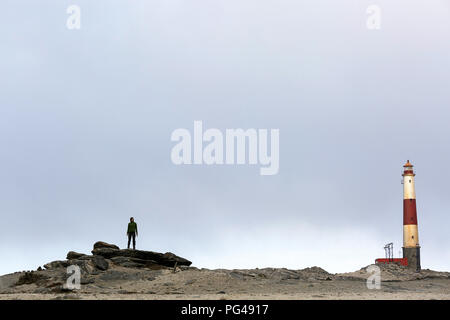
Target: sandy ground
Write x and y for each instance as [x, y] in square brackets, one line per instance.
[191, 283]
[379, 295]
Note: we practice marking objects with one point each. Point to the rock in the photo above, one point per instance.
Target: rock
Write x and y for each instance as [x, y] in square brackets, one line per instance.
[132, 265]
[101, 244]
[171, 258]
[56, 264]
[100, 263]
[65, 288]
[41, 290]
[74, 255]
[167, 259]
[236, 275]
[86, 257]
[122, 260]
[284, 274]
[86, 265]
[106, 252]
[31, 277]
[113, 275]
[315, 273]
[184, 268]
[54, 284]
[133, 262]
[87, 280]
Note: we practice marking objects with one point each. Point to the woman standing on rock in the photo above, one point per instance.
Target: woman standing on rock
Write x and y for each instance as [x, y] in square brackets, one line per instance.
[132, 232]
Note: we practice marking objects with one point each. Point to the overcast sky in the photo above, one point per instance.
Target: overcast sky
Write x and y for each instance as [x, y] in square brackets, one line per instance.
[86, 118]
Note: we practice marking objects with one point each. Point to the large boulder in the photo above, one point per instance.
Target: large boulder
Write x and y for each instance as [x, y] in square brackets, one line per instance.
[101, 244]
[167, 259]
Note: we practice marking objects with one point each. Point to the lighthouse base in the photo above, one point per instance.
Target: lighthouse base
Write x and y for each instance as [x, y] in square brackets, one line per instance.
[413, 256]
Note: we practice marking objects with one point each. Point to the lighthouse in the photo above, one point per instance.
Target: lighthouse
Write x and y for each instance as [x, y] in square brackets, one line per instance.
[411, 247]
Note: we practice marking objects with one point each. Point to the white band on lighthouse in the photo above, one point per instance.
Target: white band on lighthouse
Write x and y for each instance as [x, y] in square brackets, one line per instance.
[408, 187]
[410, 236]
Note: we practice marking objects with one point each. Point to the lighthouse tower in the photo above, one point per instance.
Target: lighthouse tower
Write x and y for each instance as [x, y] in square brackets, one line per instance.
[411, 247]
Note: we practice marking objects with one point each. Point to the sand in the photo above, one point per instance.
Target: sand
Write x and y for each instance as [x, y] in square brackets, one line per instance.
[191, 283]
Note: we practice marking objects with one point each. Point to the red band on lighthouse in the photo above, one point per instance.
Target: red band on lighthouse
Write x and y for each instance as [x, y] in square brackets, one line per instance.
[409, 211]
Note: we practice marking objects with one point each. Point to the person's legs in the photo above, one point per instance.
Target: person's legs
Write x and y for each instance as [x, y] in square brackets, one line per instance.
[129, 240]
[134, 241]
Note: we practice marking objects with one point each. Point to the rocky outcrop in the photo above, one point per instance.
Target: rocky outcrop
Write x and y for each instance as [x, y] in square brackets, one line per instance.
[105, 254]
[107, 263]
[141, 257]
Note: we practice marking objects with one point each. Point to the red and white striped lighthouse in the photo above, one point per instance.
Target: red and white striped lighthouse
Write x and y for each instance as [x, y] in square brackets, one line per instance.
[411, 247]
